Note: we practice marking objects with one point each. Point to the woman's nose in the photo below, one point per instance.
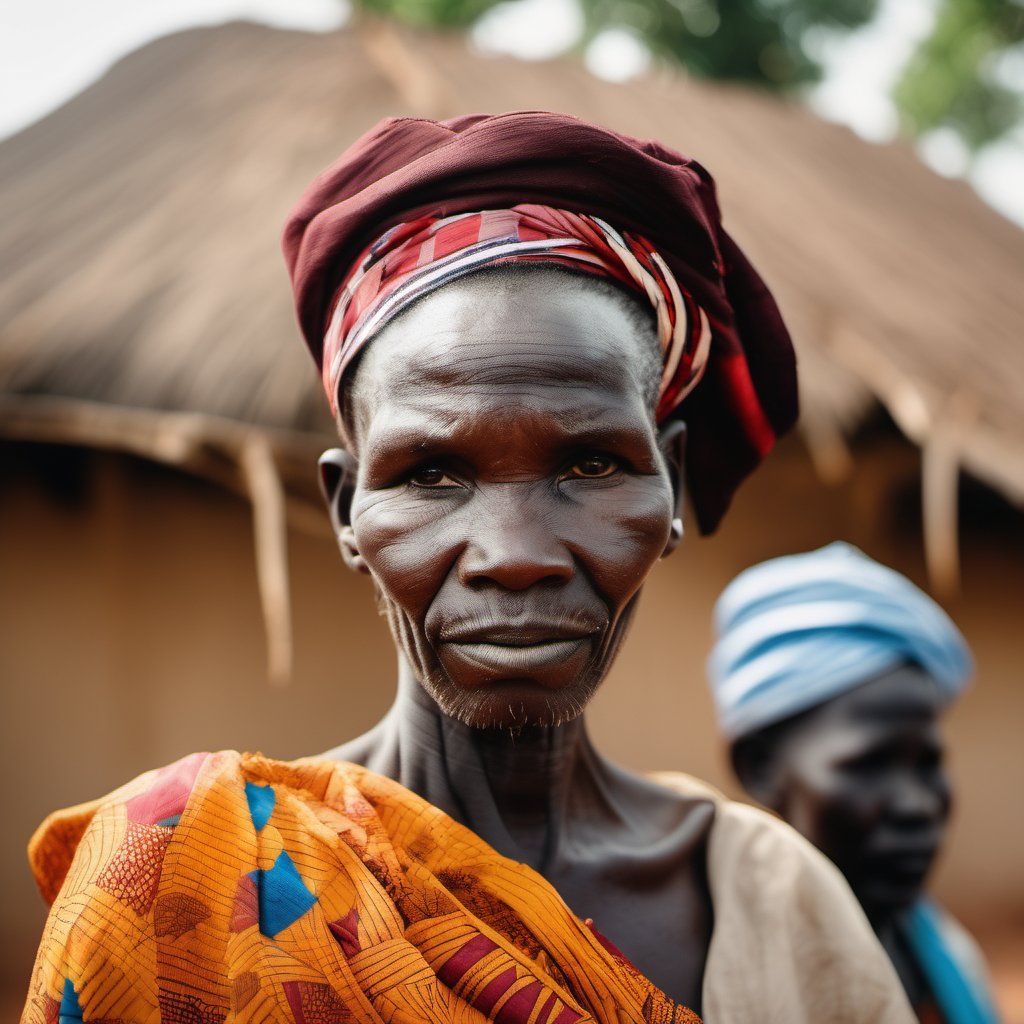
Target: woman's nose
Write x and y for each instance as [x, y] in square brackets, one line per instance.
[514, 542]
[919, 799]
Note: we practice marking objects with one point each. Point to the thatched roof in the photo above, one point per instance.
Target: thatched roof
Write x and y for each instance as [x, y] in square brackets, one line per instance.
[144, 305]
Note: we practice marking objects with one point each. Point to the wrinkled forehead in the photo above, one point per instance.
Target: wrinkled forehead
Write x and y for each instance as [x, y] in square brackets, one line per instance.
[498, 344]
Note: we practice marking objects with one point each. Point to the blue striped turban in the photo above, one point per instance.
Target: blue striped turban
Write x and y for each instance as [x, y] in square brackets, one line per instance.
[797, 631]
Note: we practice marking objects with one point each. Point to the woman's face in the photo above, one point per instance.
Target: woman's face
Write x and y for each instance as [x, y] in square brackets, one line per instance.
[861, 777]
[511, 496]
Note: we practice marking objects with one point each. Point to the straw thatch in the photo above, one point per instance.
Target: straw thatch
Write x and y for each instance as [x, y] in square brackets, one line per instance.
[143, 303]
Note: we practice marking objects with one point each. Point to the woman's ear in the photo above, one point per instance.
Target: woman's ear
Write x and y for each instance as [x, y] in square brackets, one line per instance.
[672, 441]
[338, 472]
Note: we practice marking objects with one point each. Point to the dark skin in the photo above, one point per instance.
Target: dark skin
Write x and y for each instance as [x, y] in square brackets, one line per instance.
[861, 777]
[507, 491]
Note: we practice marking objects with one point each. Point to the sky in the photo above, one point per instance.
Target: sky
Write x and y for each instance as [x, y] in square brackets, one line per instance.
[52, 49]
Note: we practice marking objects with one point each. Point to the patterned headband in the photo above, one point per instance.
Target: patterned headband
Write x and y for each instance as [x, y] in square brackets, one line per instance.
[412, 259]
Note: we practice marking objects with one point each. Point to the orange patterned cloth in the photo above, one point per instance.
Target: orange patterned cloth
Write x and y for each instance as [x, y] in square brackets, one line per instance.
[231, 887]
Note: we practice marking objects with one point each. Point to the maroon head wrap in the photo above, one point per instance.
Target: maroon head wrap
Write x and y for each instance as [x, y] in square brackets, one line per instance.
[409, 168]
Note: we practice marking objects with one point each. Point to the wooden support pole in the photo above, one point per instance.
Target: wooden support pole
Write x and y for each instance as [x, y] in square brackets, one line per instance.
[940, 489]
[270, 532]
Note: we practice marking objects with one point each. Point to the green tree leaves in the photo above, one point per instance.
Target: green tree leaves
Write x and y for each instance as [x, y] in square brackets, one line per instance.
[954, 80]
[967, 75]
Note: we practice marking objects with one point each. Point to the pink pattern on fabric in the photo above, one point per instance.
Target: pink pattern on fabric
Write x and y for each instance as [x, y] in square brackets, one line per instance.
[245, 911]
[167, 796]
[414, 258]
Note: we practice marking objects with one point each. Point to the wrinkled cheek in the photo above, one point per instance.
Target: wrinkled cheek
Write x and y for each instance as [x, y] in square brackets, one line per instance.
[631, 544]
[404, 587]
[402, 552]
[404, 578]
[621, 621]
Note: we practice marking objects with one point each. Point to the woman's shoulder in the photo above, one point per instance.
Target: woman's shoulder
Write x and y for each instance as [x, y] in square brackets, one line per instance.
[176, 863]
[150, 799]
[748, 837]
[755, 857]
[790, 941]
[145, 812]
[688, 785]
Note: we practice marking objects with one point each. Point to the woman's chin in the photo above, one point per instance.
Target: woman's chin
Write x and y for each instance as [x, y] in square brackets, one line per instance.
[513, 703]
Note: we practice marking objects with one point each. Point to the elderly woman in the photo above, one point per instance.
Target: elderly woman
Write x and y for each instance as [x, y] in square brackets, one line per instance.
[514, 316]
[830, 673]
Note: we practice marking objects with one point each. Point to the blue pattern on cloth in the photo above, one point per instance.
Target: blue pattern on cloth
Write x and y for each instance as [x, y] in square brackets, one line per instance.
[961, 993]
[261, 801]
[797, 631]
[283, 896]
[70, 1009]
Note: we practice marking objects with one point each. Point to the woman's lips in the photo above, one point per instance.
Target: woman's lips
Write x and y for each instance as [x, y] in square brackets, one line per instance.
[510, 651]
[542, 650]
[517, 634]
[511, 661]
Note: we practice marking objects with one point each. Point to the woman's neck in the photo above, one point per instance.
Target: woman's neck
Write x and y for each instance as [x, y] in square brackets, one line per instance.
[512, 788]
[615, 846]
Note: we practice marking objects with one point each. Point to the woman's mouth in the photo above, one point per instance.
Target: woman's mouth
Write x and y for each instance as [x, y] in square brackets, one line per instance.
[516, 650]
[511, 661]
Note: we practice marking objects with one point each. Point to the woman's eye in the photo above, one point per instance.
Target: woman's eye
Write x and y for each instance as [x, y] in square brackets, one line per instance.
[431, 476]
[593, 467]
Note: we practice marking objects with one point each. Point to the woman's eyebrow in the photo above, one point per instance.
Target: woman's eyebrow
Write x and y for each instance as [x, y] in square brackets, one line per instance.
[607, 430]
[408, 440]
